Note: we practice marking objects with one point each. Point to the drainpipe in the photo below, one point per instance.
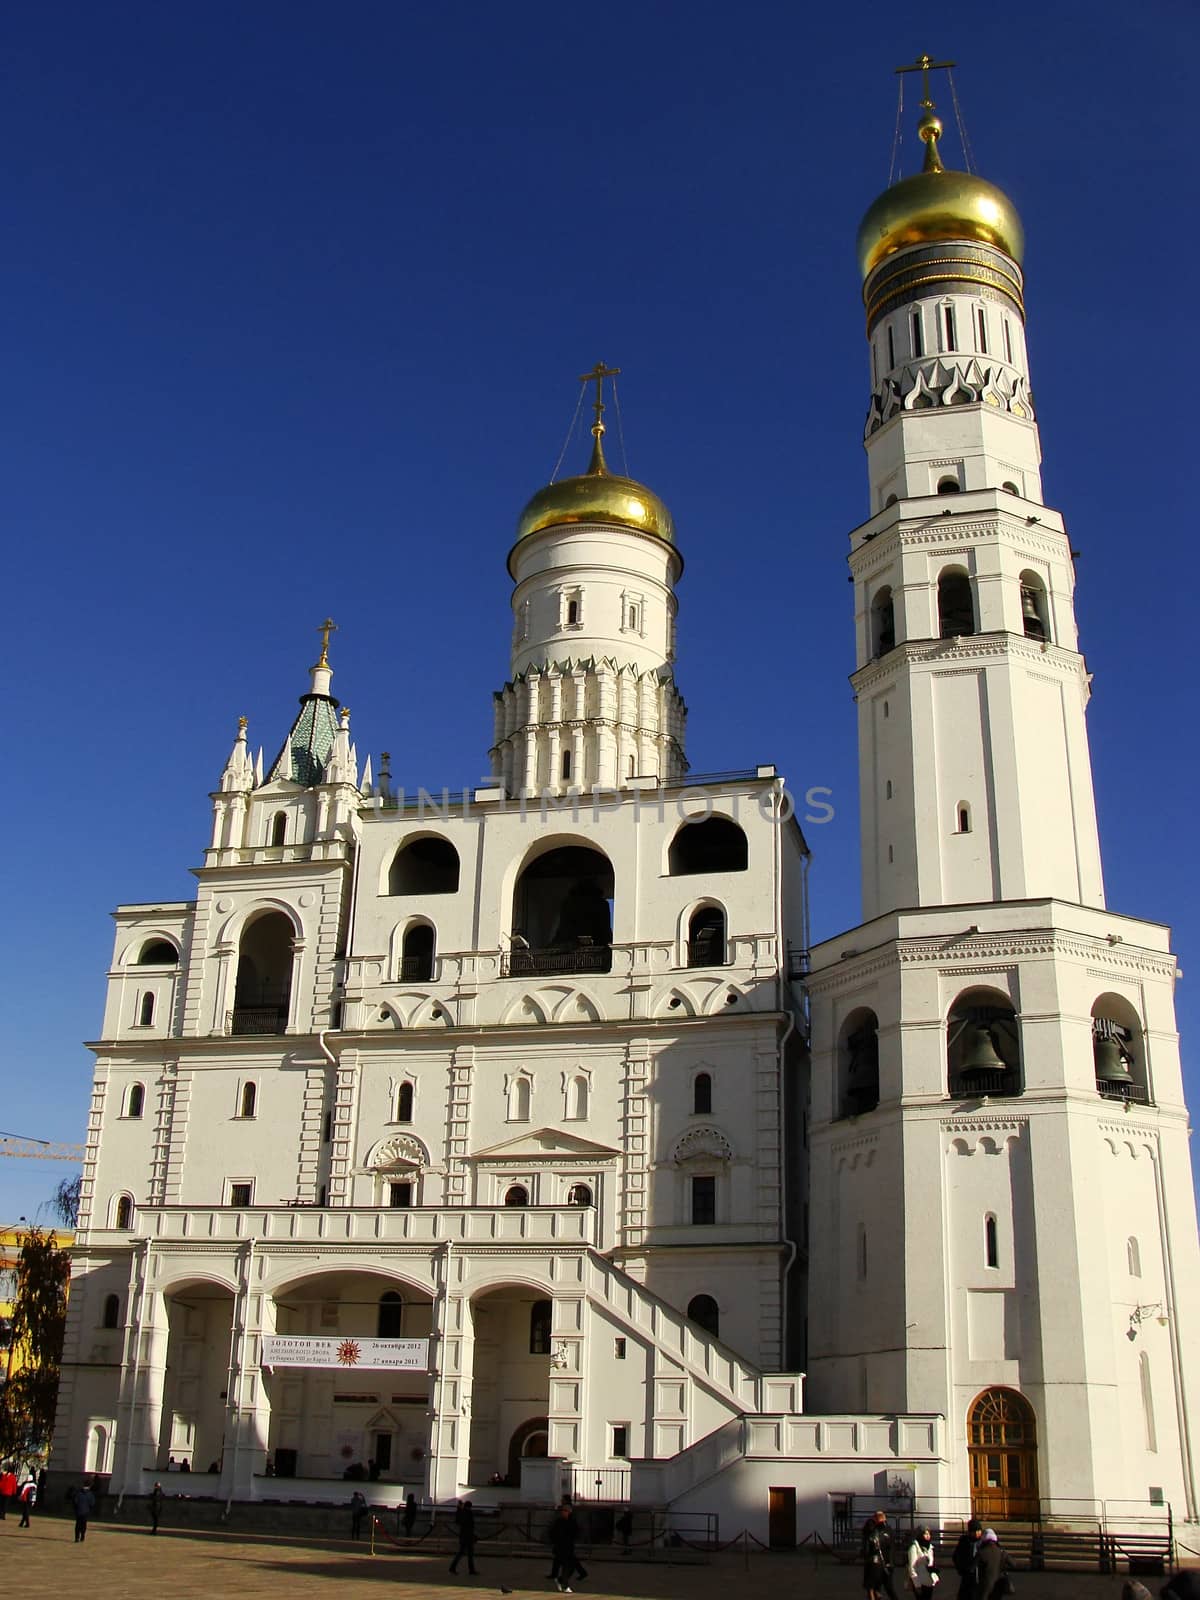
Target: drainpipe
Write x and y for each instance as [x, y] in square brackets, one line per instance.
[241, 1373]
[137, 1362]
[444, 1302]
[784, 1003]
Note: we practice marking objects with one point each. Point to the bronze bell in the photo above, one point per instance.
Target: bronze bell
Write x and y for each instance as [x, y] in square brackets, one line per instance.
[1035, 628]
[1111, 1065]
[979, 1050]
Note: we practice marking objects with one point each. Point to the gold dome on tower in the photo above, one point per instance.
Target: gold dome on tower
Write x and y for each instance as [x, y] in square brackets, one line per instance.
[937, 204]
[597, 495]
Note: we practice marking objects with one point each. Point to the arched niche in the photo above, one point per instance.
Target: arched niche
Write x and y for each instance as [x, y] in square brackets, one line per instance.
[263, 991]
[983, 1045]
[562, 913]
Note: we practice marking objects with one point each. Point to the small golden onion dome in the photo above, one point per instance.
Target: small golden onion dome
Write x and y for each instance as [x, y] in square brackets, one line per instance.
[937, 204]
[598, 496]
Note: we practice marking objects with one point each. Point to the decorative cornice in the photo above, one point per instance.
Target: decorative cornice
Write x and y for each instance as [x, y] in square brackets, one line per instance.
[937, 381]
[957, 652]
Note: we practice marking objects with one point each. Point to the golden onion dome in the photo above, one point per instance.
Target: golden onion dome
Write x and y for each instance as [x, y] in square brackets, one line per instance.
[937, 204]
[597, 496]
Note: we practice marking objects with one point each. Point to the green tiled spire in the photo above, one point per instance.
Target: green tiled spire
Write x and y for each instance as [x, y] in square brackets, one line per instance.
[306, 748]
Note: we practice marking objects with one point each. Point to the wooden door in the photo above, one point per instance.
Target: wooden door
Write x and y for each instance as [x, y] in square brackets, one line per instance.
[1002, 1445]
[781, 1518]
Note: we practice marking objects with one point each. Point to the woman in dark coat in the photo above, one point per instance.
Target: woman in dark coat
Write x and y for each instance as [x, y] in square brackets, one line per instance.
[991, 1565]
[877, 1557]
[564, 1531]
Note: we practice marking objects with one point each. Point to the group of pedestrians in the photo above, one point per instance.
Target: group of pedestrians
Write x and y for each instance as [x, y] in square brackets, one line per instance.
[979, 1559]
[13, 1492]
[565, 1564]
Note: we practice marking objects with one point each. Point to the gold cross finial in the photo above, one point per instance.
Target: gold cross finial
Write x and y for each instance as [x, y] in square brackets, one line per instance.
[925, 64]
[597, 376]
[327, 627]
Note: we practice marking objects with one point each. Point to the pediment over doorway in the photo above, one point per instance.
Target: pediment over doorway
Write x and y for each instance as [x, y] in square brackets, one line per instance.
[545, 1144]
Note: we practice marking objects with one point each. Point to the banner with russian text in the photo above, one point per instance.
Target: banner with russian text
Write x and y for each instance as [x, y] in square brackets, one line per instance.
[346, 1353]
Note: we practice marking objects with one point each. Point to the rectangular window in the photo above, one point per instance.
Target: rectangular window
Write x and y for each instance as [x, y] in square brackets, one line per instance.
[891, 348]
[951, 340]
[619, 1349]
[982, 321]
[620, 1439]
[240, 1193]
[400, 1194]
[704, 1200]
[918, 340]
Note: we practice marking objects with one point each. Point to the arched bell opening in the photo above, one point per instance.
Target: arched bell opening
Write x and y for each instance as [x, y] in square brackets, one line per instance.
[955, 603]
[1118, 1050]
[883, 622]
[263, 991]
[563, 914]
[424, 865]
[706, 937]
[983, 1045]
[512, 1358]
[376, 1415]
[1035, 610]
[715, 844]
[416, 953]
[858, 1064]
[1002, 1448]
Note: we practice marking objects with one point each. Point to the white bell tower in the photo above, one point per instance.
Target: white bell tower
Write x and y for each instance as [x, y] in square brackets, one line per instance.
[1002, 1227]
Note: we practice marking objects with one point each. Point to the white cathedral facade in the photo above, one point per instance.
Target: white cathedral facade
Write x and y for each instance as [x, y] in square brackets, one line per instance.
[516, 1139]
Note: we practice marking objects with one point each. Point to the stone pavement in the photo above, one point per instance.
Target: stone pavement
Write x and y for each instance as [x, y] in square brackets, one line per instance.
[122, 1563]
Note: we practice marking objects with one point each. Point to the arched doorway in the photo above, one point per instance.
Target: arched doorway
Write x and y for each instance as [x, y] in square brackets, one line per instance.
[1002, 1446]
[532, 1438]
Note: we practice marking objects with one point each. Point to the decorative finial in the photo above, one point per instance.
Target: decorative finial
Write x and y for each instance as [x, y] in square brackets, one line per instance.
[243, 724]
[327, 627]
[929, 129]
[598, 466]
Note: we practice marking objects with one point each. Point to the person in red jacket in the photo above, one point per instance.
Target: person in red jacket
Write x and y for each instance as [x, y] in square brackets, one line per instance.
[8, 1489]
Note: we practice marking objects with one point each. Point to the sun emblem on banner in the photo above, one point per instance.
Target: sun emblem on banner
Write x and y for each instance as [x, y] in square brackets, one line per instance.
[349, 1352]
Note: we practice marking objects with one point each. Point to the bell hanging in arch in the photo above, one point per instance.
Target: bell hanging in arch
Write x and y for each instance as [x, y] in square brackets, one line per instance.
[1111, 1065]
[1031, 617]
[979, 1050]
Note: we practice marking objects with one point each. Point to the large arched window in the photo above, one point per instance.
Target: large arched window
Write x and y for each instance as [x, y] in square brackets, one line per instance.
[858, 1064]
[705, 1313]
[391, 1315]
[416, 956]
[706, 937]
[262, 994]
[427, 865]
[563, 914]
[579, 1194]
[516, 1195]
[1117, 1050]
[714, 845]
[983, 1047]
[956, 605]
[158, 953]
[883, 623]
[540, 1318]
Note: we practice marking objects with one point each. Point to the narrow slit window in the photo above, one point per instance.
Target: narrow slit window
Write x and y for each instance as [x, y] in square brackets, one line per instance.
[404, 1103]
[891, 338]
[278, 829]
[981, 323]
[964, 819]
[146, 1014]
[951, 338]
[566, 765]
[1008, 344]
[136, 1102]
[991, 1244]
[918, 340]
[572, 613]
[249, 1100]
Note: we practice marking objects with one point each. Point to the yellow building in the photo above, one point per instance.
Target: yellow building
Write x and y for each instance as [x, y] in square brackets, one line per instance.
[11, 1239]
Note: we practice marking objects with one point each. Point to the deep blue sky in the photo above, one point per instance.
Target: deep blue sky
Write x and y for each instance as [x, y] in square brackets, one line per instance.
[294, 301]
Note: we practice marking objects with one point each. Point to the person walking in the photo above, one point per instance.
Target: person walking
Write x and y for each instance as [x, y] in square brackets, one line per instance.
[358, 1513]
[922, 1579]
[156, 1504]
[28, 1501]
[991, 1568]
[877, 1557]
[410, 1515]
[965, 1552]
[623, 1527]
[8, 1489]
[564, 1535]
[85, 1504]
[464, 1521]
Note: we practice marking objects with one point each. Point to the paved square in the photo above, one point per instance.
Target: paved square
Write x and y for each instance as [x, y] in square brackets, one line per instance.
[118, 1562]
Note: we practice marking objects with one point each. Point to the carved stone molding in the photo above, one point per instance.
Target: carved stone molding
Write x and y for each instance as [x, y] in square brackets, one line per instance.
[930, 384]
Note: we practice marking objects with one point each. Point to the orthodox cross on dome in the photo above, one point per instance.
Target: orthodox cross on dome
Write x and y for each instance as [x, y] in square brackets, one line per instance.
[925, 64]
[326, 628]
[597, 376]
